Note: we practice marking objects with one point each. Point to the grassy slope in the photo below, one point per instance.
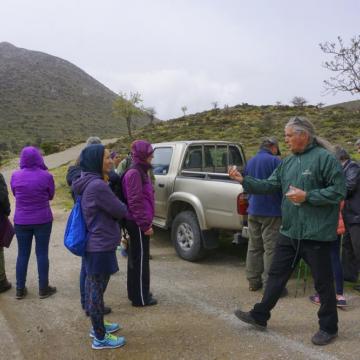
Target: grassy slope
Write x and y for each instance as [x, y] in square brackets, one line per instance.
[247, 124]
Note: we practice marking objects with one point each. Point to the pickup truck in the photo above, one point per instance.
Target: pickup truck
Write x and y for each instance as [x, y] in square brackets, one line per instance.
[194, 196]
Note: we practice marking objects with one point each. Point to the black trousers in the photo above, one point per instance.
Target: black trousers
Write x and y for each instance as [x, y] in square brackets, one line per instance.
[351, 252]
[138, 276]
[316, 254]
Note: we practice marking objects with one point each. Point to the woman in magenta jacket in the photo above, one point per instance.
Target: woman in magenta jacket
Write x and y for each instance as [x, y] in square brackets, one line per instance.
[139, 195]
[33, 188]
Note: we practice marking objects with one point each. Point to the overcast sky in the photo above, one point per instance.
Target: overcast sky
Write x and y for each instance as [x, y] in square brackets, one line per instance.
[192, 53]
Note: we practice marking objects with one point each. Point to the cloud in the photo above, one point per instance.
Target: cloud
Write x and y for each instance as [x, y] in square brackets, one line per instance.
[168, 90]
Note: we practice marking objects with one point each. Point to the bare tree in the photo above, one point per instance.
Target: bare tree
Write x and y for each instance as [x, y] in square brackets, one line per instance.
[299, 101]
[184, 110]
[151, 112]
[215, 105]
[320, 105]
[278, 103]
[345, 65]
[126, 106]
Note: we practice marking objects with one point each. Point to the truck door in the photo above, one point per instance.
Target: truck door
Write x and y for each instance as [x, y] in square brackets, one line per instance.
[163, 179]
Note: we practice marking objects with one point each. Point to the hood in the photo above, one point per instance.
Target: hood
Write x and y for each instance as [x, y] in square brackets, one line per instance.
[91, 158]
[79, 185]
[140, 151]
[31, 157]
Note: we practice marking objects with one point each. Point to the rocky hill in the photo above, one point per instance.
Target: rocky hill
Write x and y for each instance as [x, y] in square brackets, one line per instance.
[49, 102]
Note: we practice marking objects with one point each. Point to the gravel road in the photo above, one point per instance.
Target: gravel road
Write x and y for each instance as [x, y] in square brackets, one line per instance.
[193, 320]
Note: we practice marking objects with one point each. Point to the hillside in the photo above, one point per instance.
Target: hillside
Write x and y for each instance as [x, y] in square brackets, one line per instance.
[349, 105]
[247, 124]
[49, 102]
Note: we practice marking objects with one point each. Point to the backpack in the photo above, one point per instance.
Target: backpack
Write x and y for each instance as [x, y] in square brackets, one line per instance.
[76, 232]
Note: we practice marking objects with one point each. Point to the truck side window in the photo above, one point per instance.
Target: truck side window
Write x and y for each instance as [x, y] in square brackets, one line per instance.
[193, 159]
[161, 160]
[209, 158]
[235, 157]
[221, 163]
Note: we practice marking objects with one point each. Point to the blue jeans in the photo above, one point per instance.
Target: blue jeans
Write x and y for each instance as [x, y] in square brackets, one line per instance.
[25, 234]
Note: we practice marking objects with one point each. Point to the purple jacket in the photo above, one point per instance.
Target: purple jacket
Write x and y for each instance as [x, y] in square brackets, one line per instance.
[101, 210]
[139, 193]
[33, 188]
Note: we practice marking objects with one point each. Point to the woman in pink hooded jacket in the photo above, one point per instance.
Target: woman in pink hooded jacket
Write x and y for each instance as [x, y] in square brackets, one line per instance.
[33, 188]
[139, 196]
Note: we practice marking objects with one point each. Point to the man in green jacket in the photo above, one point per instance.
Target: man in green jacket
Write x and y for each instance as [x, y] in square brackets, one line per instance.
[313, 185]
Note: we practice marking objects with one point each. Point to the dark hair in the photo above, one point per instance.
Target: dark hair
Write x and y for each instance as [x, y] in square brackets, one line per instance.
[341, 154]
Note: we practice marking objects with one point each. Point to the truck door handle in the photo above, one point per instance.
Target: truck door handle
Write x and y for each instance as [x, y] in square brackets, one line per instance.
[161, 185]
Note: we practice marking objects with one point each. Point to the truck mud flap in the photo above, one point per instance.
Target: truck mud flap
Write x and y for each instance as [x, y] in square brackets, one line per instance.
[210, 239]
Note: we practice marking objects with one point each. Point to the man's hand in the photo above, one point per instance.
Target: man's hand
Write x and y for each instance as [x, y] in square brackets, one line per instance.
[296, 195]
[234, 174]
[149, 232]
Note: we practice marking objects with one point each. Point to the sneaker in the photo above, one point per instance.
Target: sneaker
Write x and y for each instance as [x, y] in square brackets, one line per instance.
[152, 301]
[21, 293]
[340, 301]
[5, 286]
[109, 342]
[315, 299]
[255, 286]
[323, 338]
[45, 293]
[109, 328]
[248, 318]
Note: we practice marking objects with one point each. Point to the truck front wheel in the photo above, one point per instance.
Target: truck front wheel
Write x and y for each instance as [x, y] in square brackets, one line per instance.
[186, 236]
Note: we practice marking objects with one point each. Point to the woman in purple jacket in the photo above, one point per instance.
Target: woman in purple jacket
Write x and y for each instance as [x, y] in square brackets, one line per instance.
[33, 188]
[101, 210]
[139, 195]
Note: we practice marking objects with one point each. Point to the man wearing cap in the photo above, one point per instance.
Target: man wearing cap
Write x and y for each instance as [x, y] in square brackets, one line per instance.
[264, 216]
[313, 184]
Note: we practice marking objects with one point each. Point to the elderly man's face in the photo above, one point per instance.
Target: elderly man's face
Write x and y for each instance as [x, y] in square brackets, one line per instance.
[296, 141]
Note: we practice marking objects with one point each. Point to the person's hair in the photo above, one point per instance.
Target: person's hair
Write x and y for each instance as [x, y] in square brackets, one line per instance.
[301, 124]
[268, 142]
[341, 154]
[93, 140]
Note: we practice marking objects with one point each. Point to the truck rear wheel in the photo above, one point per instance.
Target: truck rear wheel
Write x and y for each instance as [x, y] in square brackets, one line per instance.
[186, 236]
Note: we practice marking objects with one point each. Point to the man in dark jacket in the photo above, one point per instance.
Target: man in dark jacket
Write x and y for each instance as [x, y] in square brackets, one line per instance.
[5, 211]
[313, 185]
[351, 216]
[264, 216]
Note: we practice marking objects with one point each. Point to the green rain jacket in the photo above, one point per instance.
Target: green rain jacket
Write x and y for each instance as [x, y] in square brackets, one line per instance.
[317, 172]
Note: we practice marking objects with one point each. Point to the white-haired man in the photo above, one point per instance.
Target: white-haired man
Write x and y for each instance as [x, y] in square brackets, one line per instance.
[313, 184]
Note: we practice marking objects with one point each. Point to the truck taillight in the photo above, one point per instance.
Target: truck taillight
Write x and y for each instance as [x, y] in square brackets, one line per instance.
[242, 204]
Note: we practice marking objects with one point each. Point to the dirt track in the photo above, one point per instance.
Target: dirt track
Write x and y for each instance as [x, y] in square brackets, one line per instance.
[194, 318]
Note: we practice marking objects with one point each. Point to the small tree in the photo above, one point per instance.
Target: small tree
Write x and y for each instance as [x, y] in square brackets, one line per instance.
[278, 103]
[345, 64]
[126, 106]
[151, 112]
[320, 105]
[298, 101]
[215, 105]
[184, 110]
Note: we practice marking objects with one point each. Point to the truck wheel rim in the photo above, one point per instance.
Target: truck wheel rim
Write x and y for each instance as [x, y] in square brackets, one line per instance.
[185, 236]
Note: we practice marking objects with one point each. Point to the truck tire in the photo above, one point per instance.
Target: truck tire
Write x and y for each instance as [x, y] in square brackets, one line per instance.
[186, 236]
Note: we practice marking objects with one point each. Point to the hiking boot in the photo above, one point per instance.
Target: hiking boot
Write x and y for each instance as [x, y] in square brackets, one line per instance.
[248, 318]
[107, 310]
[45, 293]
[255, 286]
[341, 301]
[109, 328]
[21, 293]
[5, 286]
[323, 338]
[109, 342]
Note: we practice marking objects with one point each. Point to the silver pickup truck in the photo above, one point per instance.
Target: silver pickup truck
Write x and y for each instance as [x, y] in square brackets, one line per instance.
[194, 196]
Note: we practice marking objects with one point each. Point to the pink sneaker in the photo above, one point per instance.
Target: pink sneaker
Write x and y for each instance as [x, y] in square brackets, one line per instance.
[315, 299]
